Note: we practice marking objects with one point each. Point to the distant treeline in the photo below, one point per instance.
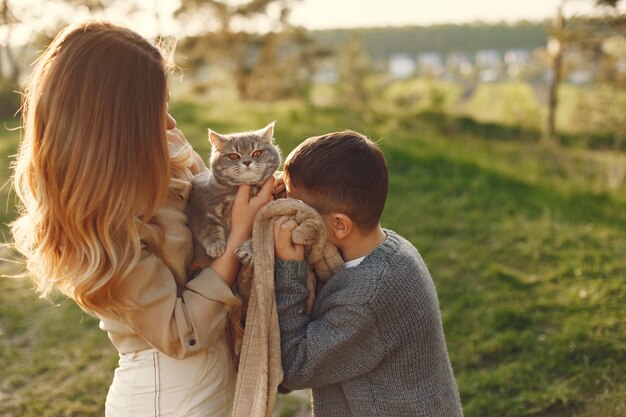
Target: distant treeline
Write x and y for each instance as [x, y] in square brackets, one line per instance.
[379, 43]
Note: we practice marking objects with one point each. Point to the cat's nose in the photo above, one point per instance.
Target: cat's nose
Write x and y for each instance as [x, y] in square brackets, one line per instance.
[246, 162]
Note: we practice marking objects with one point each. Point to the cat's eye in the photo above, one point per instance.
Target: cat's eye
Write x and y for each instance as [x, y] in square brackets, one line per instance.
[256, 154]
[233, 156]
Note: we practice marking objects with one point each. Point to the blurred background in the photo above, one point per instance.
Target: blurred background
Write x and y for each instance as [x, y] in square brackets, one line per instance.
[503, 124]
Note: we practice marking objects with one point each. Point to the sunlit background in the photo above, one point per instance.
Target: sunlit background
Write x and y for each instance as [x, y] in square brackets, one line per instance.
[504, 125]
[152, 17]
[293, 48]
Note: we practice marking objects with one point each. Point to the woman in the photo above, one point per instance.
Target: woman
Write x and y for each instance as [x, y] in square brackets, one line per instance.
[104, 178]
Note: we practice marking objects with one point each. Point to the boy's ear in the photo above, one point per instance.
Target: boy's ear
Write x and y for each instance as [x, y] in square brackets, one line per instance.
[340, 225]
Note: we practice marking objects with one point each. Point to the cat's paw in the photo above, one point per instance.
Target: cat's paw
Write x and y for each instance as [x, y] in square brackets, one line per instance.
[244, 253]
[214, 248]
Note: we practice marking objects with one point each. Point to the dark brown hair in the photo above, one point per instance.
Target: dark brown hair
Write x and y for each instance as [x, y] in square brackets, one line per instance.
[343, 172]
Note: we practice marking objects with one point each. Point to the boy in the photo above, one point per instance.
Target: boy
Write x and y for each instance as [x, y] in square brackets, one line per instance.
[373, 344]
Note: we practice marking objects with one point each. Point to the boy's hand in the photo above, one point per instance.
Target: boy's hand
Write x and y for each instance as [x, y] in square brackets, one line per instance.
[283, 245]
[280, 188]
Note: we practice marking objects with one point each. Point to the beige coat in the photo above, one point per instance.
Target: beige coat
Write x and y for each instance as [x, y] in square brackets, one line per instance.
[177, 317]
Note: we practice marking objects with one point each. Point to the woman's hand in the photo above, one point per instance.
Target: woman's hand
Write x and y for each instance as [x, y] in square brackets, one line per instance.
[284, 247]
[245, 210]
[242, 219]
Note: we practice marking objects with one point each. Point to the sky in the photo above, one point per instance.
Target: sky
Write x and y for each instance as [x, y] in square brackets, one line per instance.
[330, 14]
[325, 14]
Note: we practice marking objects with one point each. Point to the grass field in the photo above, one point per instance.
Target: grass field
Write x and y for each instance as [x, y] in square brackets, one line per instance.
[526, 243]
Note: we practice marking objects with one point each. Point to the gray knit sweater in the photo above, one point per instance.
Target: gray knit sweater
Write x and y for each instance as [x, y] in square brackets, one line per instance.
[373, 344]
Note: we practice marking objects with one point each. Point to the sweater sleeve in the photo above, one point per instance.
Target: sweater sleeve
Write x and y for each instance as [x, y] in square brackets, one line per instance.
[178, 323]
[343, 343]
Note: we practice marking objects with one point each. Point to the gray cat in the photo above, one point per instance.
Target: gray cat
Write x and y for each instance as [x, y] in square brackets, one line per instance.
[238, 158]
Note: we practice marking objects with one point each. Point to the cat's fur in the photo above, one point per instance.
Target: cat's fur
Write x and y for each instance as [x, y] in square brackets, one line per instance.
[237, 158]
[231, 164]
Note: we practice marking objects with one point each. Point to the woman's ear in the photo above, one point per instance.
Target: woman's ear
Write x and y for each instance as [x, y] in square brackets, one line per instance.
[340, 225]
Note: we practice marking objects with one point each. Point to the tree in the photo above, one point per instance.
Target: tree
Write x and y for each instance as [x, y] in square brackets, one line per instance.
[584, 33]
[354, 69]
[267, 56]
[16, 13]
[7, 23]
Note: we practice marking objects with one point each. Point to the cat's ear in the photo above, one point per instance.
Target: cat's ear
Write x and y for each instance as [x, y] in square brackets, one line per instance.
[267, 133]
[215, 138]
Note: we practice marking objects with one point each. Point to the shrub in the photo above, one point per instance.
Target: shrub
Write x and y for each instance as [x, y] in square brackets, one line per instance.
[9, 98]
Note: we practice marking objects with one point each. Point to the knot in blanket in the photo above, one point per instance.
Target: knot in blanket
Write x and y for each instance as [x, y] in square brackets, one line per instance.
[311, 232]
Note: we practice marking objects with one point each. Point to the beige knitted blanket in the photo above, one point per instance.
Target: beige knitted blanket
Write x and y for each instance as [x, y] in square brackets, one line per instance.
[260, 370]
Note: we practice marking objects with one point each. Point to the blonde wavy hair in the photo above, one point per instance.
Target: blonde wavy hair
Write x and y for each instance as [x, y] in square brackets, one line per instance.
[93, 162]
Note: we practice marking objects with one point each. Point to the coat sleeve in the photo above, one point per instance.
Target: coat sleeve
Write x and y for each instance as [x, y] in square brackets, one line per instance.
[179, 145]
[178, 323]
[343, 343]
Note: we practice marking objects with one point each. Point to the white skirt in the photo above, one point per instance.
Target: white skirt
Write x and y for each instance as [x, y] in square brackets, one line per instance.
[150, 383]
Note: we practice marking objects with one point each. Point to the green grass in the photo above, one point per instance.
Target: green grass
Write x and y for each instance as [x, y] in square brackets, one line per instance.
[9, 138]
[54, 359]
[529, 268]
[525, 242]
